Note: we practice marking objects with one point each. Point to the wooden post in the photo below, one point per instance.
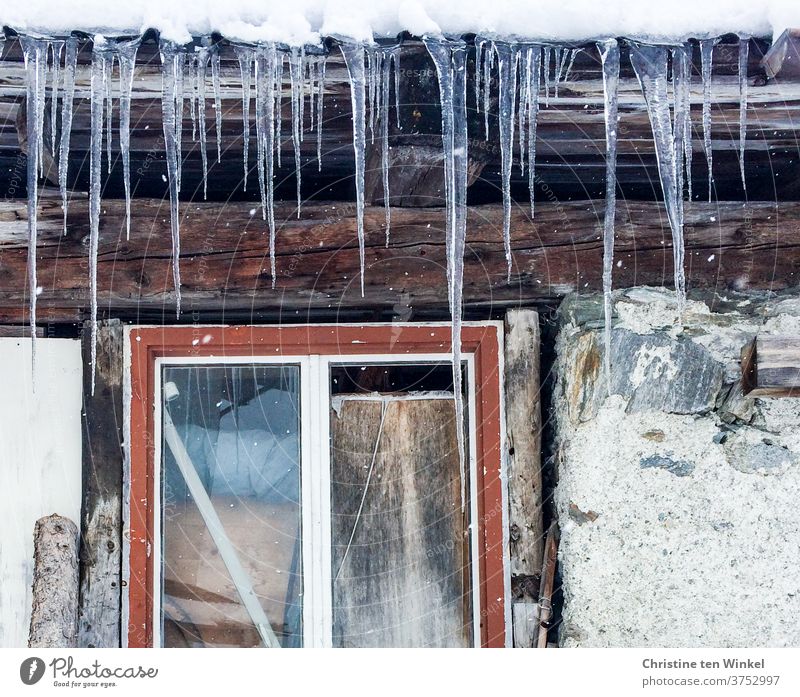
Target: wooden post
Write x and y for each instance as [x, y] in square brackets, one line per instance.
[523, 438]
[101, 521]
[771, 367]
[54, 612]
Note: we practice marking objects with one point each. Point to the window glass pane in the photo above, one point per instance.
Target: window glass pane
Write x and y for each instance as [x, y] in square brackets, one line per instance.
[231, 525]
[400, 539]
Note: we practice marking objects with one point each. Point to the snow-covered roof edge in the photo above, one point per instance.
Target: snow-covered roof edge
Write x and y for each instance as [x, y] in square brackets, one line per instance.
[307, 22]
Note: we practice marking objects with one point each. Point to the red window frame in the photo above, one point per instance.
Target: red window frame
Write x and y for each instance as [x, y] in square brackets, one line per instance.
[483, 341]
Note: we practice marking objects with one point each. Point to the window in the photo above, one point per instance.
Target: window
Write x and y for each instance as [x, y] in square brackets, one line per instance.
[300, 486]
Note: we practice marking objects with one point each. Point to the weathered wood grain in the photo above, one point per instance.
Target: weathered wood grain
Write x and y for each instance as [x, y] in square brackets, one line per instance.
[771, 367]
[400, 559]
[101, 521]
[523, 439]
[225, 262]
[54, 615]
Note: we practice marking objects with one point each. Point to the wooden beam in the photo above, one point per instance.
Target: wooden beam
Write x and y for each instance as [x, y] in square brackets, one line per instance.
[101, 516]
[225, 262]
[771, 367]
[54, 614]
[523, 439]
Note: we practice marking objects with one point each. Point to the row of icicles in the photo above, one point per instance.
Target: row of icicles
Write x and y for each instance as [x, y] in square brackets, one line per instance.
[526, 74]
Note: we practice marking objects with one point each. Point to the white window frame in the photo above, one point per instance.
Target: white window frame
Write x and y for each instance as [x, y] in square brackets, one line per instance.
[315, 479]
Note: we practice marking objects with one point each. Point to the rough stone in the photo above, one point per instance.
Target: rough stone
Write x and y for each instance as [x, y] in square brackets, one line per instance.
[694, 487]
[680, 468]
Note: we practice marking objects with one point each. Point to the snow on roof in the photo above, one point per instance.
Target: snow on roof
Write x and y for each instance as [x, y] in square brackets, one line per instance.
[306, 21]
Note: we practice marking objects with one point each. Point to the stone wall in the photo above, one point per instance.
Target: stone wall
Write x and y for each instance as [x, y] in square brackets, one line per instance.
[678, 498]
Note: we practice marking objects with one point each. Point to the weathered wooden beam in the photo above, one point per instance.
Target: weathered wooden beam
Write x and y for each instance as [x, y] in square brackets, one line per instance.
[54, 613]
[771, 367]
[548, 584]
[523, 438]
[101, 521]
[225, 261]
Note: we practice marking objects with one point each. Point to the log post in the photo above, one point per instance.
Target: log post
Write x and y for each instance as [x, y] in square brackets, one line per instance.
[523, 439]
[54, 612]
[101, 516]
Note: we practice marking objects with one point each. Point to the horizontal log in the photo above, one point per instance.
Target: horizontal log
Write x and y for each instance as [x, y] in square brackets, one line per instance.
[771, 367]
[225, 263]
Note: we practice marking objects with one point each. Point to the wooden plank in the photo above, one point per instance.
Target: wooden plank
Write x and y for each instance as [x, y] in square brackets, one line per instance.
[548, 584]
[54, 615]
[101, 522]
[399, 558]
[523, 438]
[771, 367]
[225, 263]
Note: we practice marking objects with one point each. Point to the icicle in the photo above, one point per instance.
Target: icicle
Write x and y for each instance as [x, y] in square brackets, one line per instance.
[385, 67]
[172, 59]
[126, 56]
[479, 45]
[217, 100]
[320, 106]
[396, 62]
[99, 93]
[35, 54]
[546, 69]
[533, 69]
[507, 57]
[488, 62]
[682, 77]
[265, 134]
[609, 55]
[450, 59]
[744, 53]
[650, 65]
[245, 56]
[371, 89]
[107, 77]
[561, 62]
[354, 60]
[706, 57]
[201, 58]
[70, 61]
[278, 110]
[522, 110]
[193, 97]
[296, 80]
[301, 99]
[180, 65]
[41, 91]
[57, 47]
[573, 56]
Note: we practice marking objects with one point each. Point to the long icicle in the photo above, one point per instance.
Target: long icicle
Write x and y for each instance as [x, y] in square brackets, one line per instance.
[609, 55]
[202, 56]
[650, 65]
[533, 70]
[265, 133]
[684, 54]
[245, 56]
[126, 57]
[215, 70]
[744, 54]
[57, 48]
[320, 106]
[354, 60]
[706, 60]
[107, 83]
[507, 57]
[70, 62]
[450, 59]
[35, 54]
[172, 59]
[296, 80]
[385, 68]
[99, 93]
